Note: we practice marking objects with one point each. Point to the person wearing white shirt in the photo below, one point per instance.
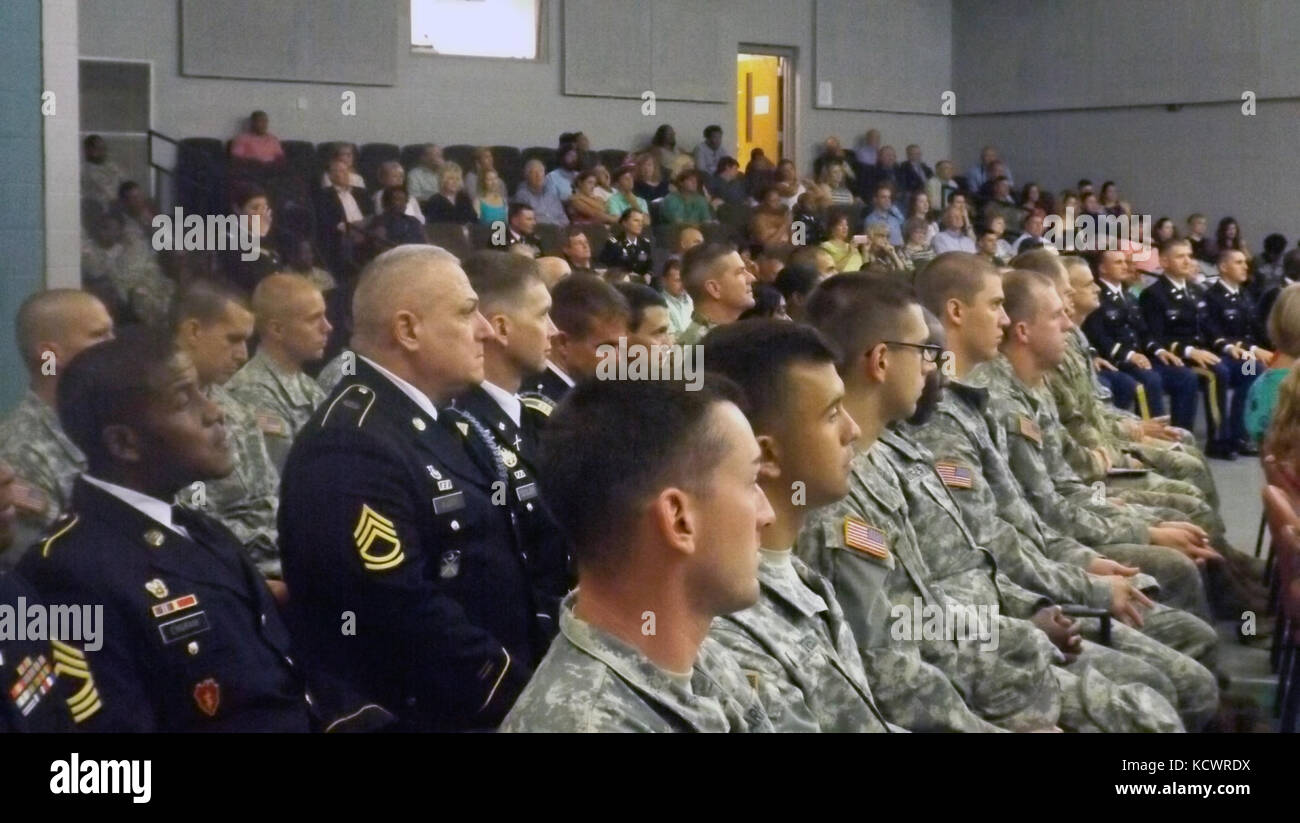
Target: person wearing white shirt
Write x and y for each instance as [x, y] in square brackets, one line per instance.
[954, 236]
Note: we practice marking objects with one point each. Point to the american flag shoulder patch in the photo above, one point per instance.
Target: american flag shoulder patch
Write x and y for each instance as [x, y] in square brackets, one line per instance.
[866, 538]
[955, 475]
[29, 498]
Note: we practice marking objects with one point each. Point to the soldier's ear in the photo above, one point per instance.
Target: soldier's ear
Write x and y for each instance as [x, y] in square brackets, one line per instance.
[952, 310]
[500, 325]
[405, 326]
[122, 443]
[874, 362]
[674, 517]
[769, 465]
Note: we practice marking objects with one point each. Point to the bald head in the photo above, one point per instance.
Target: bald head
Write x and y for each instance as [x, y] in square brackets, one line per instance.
[289, 311]
[276, 295]
[415, 313]
[553, 270]
[61, 322]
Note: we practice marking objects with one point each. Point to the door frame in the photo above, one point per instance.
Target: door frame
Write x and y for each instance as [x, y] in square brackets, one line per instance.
[789, 96]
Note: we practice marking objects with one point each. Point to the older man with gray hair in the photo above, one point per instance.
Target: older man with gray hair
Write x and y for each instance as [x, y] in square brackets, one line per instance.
[541, 195]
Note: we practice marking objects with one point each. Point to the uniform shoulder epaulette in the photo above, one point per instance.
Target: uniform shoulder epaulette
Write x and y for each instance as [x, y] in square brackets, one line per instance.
[350, 407]
[62, 526]
[538, 402]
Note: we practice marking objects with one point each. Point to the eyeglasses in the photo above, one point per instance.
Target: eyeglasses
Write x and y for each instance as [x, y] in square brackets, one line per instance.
[930, 352]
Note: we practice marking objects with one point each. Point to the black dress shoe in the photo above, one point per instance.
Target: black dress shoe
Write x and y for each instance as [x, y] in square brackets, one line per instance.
[1220, 451]
[1245, 447]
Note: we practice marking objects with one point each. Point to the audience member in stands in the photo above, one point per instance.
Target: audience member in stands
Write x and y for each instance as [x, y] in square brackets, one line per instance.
[833, 177]
[585, 206]
[52, 327]
[769, 260]
[1284, 332]
[795, 282]
[884, 212]
[252, 201]
[919, 207]
[628, 248]
[986, 246]
[394, 225]
[211, 325]
[787, 183]
[522, 229]
[650, 185]
[625, 196]
[769, 225]
[982, 172]
[915, 173]
[720, 286]
[422, 180]
[808, 215]
[104, 260]
[257, 145]
[302, 260]
[138, 211]
[954, 234]
[847, 255]
[1031, 197]
[728, 186]
[541, 194]
[1109, 200]
[663, 146]
[490, 199]
[451, 204]
[679, 303]
[1202, 246]
[880, 254]
[483, 162]
[1032, 234]
[588, 313]
[289, 317]
[942, 186]
[348, 154]
[814, 257]
[1290, 275]
[1268, 266]
[710, 151]
[604, 185]
[1003, 204]
[341, 210]
[563, 176]
[687, 204]
[1228, 236]
[392, 175]
[688, 238]
[886, 172]
[759, 173]
[916, 250]
[101, 178]
[769, 304]
[577, 249]
[1163, 231]
[867, 149]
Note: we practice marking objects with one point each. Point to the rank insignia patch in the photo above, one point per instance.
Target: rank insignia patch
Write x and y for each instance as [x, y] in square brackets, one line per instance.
[377, 541]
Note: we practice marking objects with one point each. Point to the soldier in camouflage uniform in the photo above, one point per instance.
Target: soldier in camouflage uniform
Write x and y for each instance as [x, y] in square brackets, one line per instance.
[868, 545]
[212, 327]
[720, 286]
[633, 652]
[796, 638]
[289, 311]
[53, 326]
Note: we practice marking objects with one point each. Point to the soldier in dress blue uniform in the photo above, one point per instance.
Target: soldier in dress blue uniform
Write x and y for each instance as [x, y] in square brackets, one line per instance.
[192, 639]
[1236, 334]
[408, 588]
[588, 313]
[629, 248]
[1118, 332]
[1175, 312]
[513, 298]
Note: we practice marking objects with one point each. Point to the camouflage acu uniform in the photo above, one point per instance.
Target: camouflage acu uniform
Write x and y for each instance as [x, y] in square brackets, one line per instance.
[695, 332]
[1017, 685]
[797, 650]
[1034, 455]
[141, 285]
[247, 499]
[590, 681]
[333, 372]
[282, 401]
[45, 462]
[969, 572]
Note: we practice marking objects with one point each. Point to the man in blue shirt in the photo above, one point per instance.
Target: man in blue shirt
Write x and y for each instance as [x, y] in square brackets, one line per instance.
[884, 211]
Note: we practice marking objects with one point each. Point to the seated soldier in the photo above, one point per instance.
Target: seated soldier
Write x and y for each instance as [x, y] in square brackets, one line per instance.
[588, 313]
[665, 541]
[194, 638]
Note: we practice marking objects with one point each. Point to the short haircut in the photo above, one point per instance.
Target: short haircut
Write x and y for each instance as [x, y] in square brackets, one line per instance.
[1083, 183]
[857, 311]
[40, 317]
[204, 299]
[807, 255]
[106, 384]
[797, 279]
[577, 302]
[612, 445]
[952, 275]
[389, 195]
[1019, 288]
[1274, 244]
[727, 163]
[516, 207]
[639, 297]
[757, 354]
[709, 131]
[1167, 245]
[499, 278]
[1225, 252]
[623, 218]
[273, 297]
[1041, 260]
[1284, 321]
[698, 265]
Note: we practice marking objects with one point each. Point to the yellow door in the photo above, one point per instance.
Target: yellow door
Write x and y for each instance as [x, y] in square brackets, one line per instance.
[758, 106]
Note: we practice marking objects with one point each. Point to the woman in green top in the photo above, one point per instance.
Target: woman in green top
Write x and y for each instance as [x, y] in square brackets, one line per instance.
[624, 197]
[847, 256]
[1284, 331]
[687, 204]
